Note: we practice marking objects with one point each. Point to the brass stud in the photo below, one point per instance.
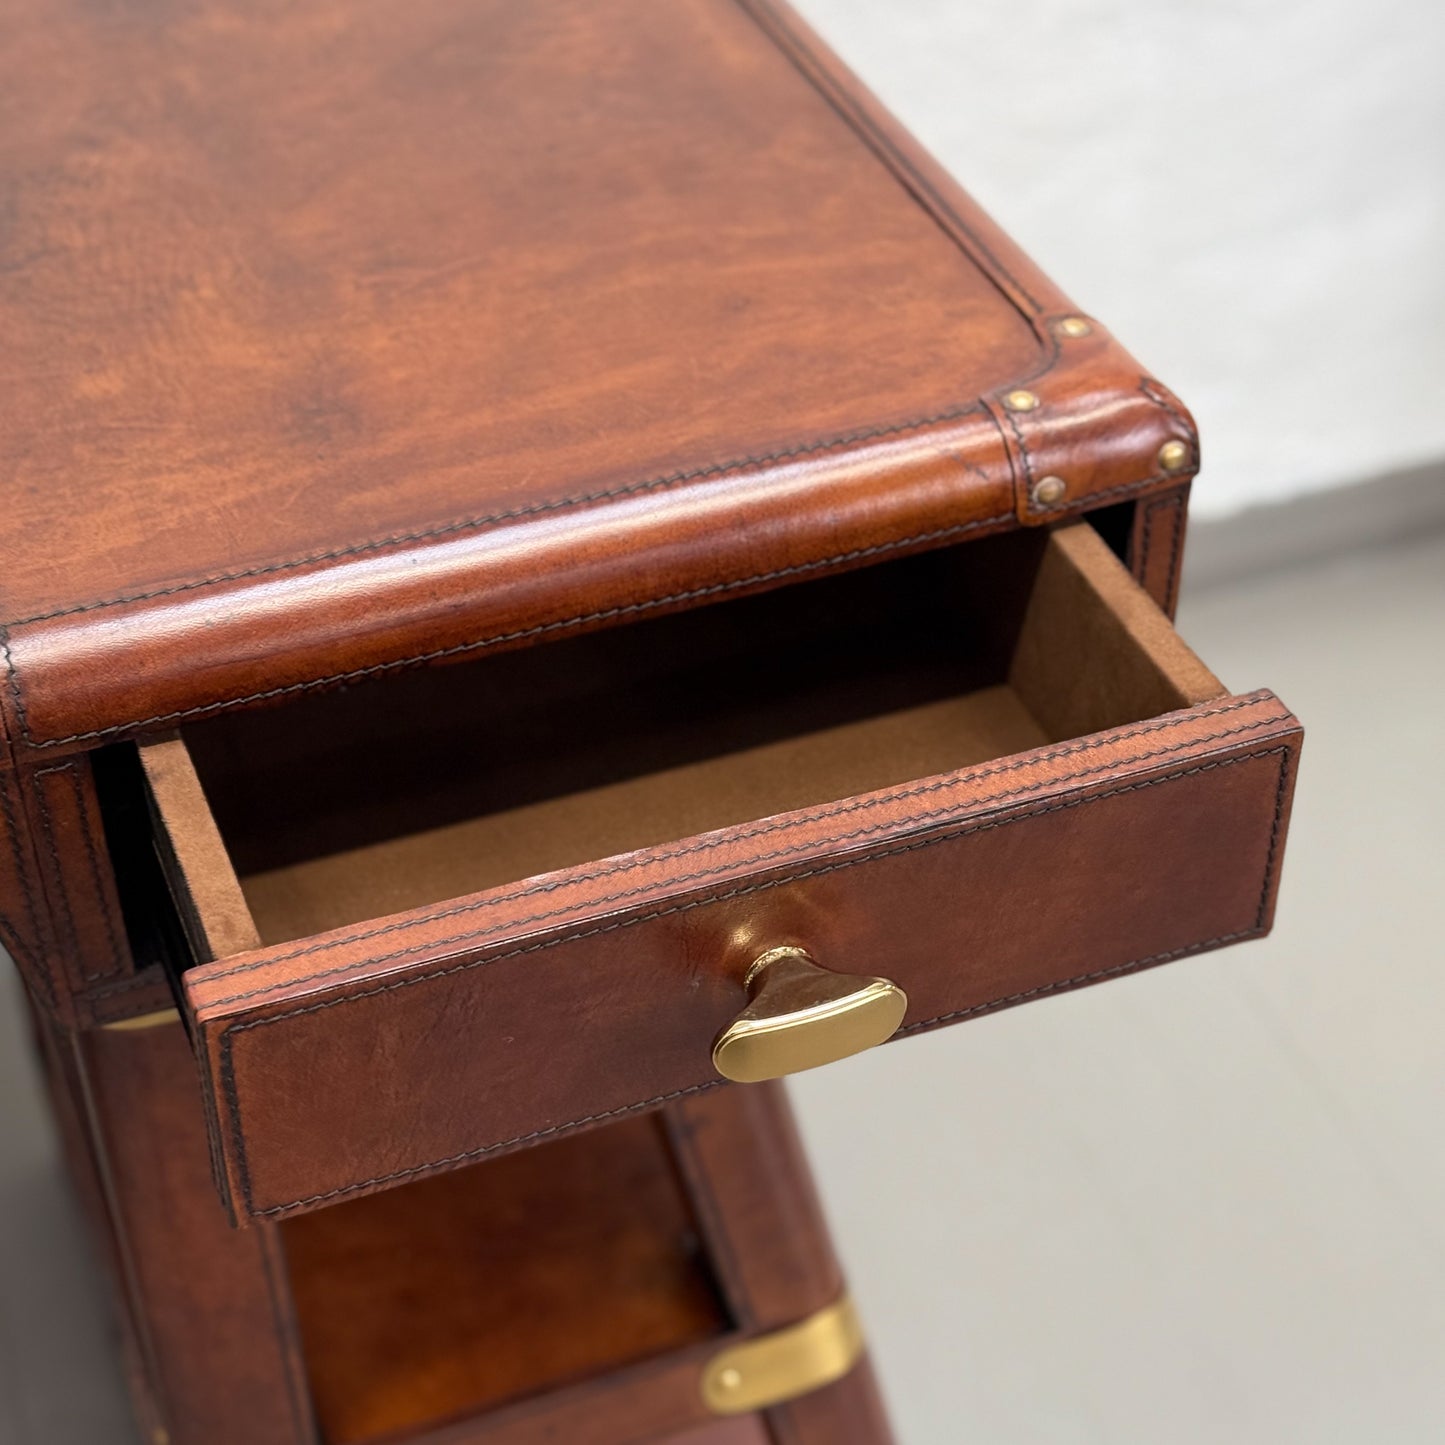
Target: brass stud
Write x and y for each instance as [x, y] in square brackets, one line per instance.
[1021, 400]
[1050, 491]
[1174, 456]
[1074, 326]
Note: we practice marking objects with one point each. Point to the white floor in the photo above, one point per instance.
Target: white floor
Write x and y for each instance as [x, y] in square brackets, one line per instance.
[1206, 1204]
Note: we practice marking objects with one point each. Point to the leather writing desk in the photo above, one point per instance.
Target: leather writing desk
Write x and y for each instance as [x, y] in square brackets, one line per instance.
[556, 570]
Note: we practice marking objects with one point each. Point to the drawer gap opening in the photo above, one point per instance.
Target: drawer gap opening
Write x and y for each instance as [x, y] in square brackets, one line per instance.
[446, 1298]
[438, 783]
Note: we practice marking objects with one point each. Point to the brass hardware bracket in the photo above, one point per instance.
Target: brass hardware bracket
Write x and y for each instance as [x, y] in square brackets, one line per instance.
[771, 1369]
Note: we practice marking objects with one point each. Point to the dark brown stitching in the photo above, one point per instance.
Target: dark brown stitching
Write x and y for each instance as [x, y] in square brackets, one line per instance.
[1091, 499]
[717, 589]
[1219, 942]
[533, 1137]
[71, 772]
[1124, 488]
[1163, 398]
[47, 832]
[147, 979]
[92, 854]
[273, 1269]
[806, 62]
[653, 484]
[226, 1047]
[1013, 425]
[1148, 388]
[631, 609]
[12, 684]
[39, 963]
[892, 159]
[1174, 502]
[1146, 545]
[1272, 857]
[629, 864]
[886, 797]
[1176, 549]
[922, 192]
[1063, 985]
[693, 1168]
[741, 891]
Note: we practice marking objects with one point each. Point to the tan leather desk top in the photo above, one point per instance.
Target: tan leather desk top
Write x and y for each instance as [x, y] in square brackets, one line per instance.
[343, 336]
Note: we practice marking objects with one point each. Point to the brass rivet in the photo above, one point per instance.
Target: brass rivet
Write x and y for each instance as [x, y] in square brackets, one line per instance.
[1021, 400]
[1075, 326]
[1050, 491]
[730, 1379]
[1174, 455]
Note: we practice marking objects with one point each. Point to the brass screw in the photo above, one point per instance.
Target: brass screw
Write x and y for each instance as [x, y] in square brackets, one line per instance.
[1075, 326]
[1174, 455]
[1021, 400]
[1050, 491]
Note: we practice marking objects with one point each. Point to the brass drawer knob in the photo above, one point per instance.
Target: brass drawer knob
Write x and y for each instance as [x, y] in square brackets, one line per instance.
[801, 1016]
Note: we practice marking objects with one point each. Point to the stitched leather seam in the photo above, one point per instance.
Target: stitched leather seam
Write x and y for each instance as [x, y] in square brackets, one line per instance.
[1271, 861]
[92, 856]
[741, 891]
[47, 833]
[630, 489]
[856, 117]
[754, 861]
[1146, 545]
[278, 1295]
[690, 1164]
[1013, 426]
[891, 158]
[531, 1138]
[129, 984]
[71, 773]
[1176, 550]
[1225, 938]
[1009, 1000]
[1173, 503]
[21, 951]
[1162, 397]
[631, 609]
[226, 1047]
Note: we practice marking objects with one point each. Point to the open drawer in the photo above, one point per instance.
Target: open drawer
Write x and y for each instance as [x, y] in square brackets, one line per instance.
[465, 909]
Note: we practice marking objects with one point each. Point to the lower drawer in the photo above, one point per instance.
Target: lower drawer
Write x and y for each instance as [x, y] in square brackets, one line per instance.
[589, 1290]
[453, 914]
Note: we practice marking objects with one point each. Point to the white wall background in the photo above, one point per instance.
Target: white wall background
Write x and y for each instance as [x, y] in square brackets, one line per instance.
[1251, 195]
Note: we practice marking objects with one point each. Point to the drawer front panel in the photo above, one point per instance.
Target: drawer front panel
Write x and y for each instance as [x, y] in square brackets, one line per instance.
[371, 1056]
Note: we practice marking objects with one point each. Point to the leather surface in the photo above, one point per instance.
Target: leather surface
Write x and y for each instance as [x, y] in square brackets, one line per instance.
[501, 1283]
[372, 334]
[498, 1021]
[209, 1303]
[209, 1314]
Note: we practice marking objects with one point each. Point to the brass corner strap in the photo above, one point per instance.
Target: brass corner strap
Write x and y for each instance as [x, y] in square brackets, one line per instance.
[800, 1016]
[771, 1369]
